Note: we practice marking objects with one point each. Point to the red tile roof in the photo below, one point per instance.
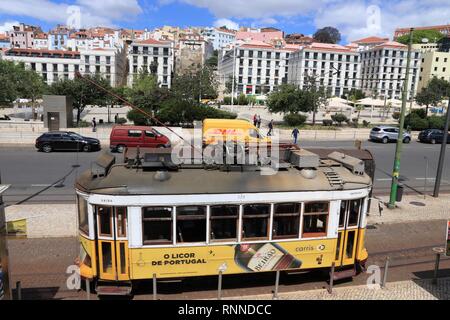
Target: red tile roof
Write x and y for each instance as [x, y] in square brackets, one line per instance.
[392, 44]
[369, 40]
[152, 41]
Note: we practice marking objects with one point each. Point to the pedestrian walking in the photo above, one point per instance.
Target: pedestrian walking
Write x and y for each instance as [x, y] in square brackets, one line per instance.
[94, 125]
[255, 119]
[270, 128]
[295, 133]
[258, 121]
[116, 118]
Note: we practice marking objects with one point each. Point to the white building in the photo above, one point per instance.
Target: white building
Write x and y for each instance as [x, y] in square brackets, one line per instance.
[52, 65]
[332, 66]
[41, 42]
[149, 54]
[258, 67]
[219, 37]
[383, 70]
[111, 64]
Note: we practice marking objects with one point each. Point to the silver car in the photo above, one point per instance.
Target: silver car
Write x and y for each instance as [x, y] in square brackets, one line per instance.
[387, 134]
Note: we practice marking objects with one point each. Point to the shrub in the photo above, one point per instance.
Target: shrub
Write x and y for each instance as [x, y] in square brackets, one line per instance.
[418, 124]
[121, 121]
[366, 123]
[396, 115]
[436, 122]
[242, 100]
[327, 123]
[82, 124]
[227, 100]
[339, 118]
[294, 119]
[419, 112]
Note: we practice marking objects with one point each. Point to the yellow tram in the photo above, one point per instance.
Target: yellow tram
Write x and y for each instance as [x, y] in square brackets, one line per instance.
[137, 221]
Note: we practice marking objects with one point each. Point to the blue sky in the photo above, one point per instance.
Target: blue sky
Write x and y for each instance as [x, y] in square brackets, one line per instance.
[354, 18]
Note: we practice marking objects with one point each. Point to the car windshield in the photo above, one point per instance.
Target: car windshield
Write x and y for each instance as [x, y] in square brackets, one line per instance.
[376, 129]
[157, 132]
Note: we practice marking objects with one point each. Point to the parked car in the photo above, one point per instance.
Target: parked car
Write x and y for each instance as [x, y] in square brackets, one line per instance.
[66, 140]
[133, 136]
[387, 134]
[5, 117]
[432, 136]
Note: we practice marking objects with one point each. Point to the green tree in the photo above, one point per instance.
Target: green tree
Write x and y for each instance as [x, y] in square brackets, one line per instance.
[213, 60]
[32, 87]
[327, 35]
[339, 118]
[82, 92]
[315, 95]
[433, 93]
[432, 36]
[199, 83]
[287, 98]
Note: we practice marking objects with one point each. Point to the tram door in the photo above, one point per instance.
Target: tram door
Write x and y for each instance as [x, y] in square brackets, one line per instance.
[349, 217]
[112, 242]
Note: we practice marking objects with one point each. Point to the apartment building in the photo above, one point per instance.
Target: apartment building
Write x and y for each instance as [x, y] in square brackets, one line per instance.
[383, 70]
[22, 36]
[434, 64]
[153, 56]
[41, 41]
[258, 67]
[335, 67]
[4, 41]
[444, 29]
[368, 43]
[219, 37]
[111, 64]
[52, 65]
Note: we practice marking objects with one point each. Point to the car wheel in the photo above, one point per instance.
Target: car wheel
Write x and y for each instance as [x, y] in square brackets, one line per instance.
[86, 148]
[433, 141]
[407, 140]
[385, 140]
[160, 146]
[120, 148]
[47, 148]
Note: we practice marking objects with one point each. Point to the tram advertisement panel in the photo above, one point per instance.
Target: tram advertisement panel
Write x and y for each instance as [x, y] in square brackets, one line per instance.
[447, 251]
[256, 257]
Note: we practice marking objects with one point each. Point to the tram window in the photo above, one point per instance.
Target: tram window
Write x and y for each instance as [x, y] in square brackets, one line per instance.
[342, 214]
[83, 221]
[191, 224]
[286, 221]
[353, 214]
[224, 222]
[121, 214]
[255, 222]
[157, 225]
[315, 219]
[104, 215]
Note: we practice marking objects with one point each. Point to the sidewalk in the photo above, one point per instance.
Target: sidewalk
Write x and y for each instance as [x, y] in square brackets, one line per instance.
[418, 289]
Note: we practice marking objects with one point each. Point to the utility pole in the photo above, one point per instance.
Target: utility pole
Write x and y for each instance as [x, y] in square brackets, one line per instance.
[234, 71]
[437, 183]
[398, 149]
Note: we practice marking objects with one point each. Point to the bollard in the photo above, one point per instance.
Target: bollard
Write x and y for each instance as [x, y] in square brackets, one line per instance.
[19, 290]
[277, 282]
[88, 290]
[436, 268]
[330, 287]
[386, 267]
[154, 288]
[219, 287]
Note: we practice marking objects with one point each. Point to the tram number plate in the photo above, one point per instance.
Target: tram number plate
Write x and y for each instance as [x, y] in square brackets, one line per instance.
[106, 201]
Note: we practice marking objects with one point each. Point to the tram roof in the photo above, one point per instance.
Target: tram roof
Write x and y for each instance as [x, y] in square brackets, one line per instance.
[122, 180]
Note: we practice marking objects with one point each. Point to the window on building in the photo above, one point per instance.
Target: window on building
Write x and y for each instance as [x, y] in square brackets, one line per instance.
[286, 220]
[86, 59]
[166, 51]
[157, 225]
[224, 222]
[255, 221]
[191, 224]
[315, 219]
[155, 51]
[108, 60]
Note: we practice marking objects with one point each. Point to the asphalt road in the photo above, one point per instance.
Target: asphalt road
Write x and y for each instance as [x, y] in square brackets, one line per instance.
[29, 171]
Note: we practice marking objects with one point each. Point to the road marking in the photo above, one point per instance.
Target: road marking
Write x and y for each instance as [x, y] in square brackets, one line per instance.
[384, 179]
[425, 178]
[40, 185]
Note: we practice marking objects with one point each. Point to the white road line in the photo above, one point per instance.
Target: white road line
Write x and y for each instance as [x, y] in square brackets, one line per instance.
[384, 179]
[40, 185]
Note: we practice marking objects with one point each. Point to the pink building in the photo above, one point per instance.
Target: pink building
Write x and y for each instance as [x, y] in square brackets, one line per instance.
[259, 36]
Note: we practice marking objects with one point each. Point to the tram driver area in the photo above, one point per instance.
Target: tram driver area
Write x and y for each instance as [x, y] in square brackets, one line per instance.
[146, 216]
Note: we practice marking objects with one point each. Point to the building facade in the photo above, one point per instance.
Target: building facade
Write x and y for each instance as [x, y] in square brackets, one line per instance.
[383, 70]
[219, 37]
[51, 65]
[258, 67]
[153, 56]
[191, 53]
[434, 64]
[22, 36]
[334, 67]
[444, 29]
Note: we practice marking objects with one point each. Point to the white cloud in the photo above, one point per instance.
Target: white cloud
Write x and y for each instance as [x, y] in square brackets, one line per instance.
[226, 22]
[93, 13]
[7, 26]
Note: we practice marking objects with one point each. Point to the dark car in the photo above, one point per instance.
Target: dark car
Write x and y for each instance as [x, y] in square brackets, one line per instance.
[432, 136]
[5, 117]
[65, 140]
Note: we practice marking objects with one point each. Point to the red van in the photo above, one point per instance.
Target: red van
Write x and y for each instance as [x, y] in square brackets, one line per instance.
[133, 136]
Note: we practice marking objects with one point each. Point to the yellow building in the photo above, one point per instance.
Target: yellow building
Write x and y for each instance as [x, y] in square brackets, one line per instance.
[434, 64]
